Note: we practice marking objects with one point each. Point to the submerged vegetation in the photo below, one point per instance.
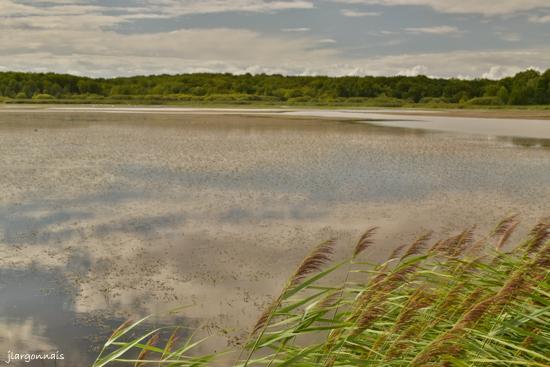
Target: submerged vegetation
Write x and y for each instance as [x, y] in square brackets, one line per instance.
[460, 301]
[529, 87]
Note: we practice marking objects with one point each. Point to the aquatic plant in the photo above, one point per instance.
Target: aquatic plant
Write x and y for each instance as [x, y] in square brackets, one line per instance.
[459, 301]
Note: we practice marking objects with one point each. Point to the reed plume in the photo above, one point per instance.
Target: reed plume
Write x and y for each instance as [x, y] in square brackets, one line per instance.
[121, 328]
[418, 245]
[538, 236]
[365, 241]
[144, 352]
[504, 225]
[329, 300]
[265, 316]
[505, 231]
[395, 253]
[442, 344]
[418, 300]
[312, 263]
[462, 242]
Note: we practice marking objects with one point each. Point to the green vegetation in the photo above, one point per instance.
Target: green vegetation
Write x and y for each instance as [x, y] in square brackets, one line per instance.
[455, 302]
[526, 88]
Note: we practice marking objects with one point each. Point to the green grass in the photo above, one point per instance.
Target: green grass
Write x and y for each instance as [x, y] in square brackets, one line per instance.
[460, 301]
[243, 101]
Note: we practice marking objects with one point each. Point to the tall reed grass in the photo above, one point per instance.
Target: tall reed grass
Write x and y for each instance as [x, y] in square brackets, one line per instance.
[459, 301]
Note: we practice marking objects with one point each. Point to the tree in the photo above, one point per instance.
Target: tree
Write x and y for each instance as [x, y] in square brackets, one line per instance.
[527, 87]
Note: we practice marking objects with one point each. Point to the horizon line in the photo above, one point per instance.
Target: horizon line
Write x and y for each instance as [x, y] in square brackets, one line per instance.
[433, 77]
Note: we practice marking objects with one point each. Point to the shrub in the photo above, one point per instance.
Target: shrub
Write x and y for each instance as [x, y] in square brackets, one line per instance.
[43, 96]
[485, 101]
[384, 101]
[433, 100]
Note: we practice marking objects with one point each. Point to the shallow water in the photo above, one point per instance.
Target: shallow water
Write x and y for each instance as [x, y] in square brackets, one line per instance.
[106, 216]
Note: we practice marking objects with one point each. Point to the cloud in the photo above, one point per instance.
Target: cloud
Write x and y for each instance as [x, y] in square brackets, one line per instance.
[509, 37]
[25, 335]
[358, 14]
[485, 7]
[433, 30]
[40, 15]
[62, 36]
[470, 64]
[302, 29]
[540, 19]
[414, 71]
[67, 15]
[240, 51]
[184, 50]
[185, 7]
[499, 72]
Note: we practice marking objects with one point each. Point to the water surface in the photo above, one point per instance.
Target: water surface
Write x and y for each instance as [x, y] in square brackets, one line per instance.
[105, 216]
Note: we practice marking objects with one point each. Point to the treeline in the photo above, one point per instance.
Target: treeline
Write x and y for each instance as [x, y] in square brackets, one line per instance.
[529, 87]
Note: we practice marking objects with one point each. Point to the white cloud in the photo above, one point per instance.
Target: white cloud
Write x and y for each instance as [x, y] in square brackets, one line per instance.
[485, 7]
[414, 71]
[184, 7]
[82, 38]
[24, 14]
[470, 64]
[358, 14]
[301, 29]
[64, 15]
[24, 335]
[540, 19]
[499, 71]
[509, 37]
[239, 51]
[445, 29]
[185, 50]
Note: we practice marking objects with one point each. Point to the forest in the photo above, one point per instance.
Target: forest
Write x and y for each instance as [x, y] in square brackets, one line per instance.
[528, 87]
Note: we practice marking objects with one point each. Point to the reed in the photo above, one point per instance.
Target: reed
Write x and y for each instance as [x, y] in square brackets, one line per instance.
[458, 301]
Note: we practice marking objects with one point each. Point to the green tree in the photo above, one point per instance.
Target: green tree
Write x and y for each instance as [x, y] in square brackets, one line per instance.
[503, 95]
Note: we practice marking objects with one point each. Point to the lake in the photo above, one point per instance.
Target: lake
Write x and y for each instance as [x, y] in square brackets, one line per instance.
[116, 213]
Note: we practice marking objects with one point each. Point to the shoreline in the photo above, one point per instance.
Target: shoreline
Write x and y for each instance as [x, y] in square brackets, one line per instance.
[509, 124]
[520, 113]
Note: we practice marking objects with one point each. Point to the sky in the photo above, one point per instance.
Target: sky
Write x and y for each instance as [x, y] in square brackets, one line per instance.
[439, 38]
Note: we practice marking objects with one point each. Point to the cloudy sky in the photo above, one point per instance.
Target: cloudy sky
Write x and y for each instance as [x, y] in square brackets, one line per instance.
[447, 38]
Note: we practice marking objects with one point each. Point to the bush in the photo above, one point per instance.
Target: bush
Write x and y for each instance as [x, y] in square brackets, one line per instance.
[432, 100]
[43, 96]
[485, 101]
[302, 99]
[384, 101]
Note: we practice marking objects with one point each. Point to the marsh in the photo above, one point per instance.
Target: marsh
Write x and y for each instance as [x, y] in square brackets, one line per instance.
[104, 216]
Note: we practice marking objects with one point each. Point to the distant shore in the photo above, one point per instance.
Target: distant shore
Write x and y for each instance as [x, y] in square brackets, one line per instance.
[531, 124]
[527, 88]
[503, 112]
